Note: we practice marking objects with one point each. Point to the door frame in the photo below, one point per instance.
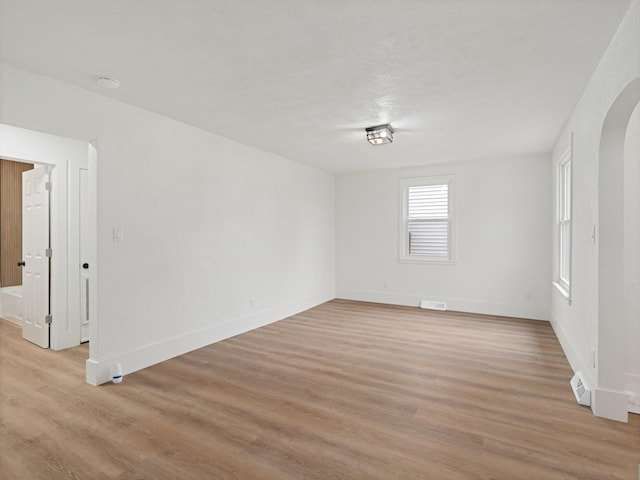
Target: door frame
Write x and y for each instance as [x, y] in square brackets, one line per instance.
[74, 317]
[63, 155]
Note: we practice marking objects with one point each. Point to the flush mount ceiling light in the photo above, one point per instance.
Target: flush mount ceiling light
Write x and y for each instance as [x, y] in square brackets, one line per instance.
[107, 82]
[380, 134]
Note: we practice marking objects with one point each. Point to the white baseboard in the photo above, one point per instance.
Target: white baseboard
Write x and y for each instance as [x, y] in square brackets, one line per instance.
[12, 318]
[610, 404]
[455, 304]
[100, 371]
[576, 361]
[605, 403]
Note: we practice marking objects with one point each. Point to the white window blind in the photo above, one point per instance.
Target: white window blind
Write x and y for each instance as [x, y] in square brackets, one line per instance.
[428, 220]
[427, 226]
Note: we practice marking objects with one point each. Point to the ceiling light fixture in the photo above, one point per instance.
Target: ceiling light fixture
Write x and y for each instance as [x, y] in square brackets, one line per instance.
[380, 134]
[107, 82]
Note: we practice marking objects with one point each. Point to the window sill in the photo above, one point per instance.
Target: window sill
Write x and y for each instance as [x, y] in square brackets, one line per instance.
[417, 261]
[563, 291]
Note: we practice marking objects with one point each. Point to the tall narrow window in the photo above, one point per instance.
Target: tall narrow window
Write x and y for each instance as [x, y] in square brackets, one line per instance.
[427, 213]
[564, 222]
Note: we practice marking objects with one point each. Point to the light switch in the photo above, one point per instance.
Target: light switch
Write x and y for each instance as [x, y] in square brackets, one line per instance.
[118, 235]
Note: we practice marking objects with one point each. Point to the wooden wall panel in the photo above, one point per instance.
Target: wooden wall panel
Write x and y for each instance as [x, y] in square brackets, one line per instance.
[11, 221]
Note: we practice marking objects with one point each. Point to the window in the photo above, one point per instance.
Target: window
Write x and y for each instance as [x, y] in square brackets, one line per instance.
[564, 223]
[427, 231]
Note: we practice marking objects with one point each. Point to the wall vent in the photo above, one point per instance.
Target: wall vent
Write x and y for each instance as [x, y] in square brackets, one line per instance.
[580, 390]
[429, 305]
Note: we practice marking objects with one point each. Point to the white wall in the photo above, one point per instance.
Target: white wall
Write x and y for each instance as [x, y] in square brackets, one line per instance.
[632, 257]
[583, 335]
[503, 227]
[208, 224]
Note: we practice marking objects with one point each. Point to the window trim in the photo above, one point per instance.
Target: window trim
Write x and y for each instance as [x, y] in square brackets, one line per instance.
[564, 218]
[403, 238]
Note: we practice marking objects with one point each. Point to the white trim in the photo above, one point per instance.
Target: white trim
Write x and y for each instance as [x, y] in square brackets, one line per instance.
[427, 262]
[565, 160]
[610, 404]
[99, 371]
[12, 318]
[403, 242]
[454, 304]
[571, 352]
[93, 253]
[72, 320]
[563, 291]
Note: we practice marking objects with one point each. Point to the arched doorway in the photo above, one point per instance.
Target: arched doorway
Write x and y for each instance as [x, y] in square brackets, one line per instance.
[618, 258]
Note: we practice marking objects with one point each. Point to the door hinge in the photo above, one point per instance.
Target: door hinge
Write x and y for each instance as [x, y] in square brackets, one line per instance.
[48, 253]
[47, 186]
[48, 319]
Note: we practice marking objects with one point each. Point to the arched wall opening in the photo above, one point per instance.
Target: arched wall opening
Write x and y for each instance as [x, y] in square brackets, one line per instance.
[618, 227]
[632, 259]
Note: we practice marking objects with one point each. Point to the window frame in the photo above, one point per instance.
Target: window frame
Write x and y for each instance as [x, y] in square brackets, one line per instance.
[403, 238]
[564, 222]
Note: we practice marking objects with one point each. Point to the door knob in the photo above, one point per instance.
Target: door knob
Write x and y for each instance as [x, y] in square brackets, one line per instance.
[21, 264]
[85, 265]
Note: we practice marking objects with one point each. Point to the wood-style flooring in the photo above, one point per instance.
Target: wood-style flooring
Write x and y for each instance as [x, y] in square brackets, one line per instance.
[345, 390]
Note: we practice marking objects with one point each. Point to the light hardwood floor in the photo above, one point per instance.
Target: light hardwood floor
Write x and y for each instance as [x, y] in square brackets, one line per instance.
[346, 390]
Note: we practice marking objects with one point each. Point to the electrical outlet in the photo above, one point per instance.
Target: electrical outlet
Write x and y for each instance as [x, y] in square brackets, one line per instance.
[386, 284]
[252, 302]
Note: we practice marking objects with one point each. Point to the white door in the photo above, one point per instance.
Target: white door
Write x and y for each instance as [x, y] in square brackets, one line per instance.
[84, 255]
[35, 243]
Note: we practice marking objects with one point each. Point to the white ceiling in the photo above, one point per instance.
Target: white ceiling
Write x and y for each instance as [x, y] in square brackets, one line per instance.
[457, 79]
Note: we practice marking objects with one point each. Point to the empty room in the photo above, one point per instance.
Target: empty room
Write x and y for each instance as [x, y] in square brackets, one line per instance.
[320, 239]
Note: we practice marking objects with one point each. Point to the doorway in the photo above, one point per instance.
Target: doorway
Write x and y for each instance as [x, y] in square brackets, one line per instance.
[11, 238]
[24, 241]
[68, 159]
[618, 357]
